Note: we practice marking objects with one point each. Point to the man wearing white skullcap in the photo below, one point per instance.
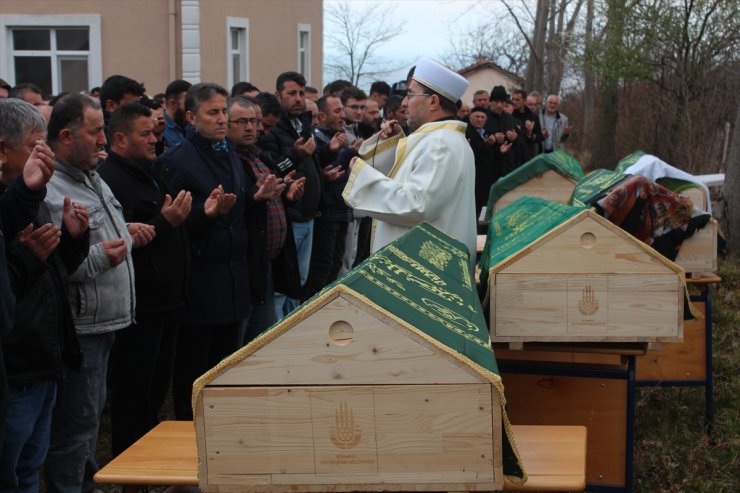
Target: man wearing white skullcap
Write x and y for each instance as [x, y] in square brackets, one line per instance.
[428, 176]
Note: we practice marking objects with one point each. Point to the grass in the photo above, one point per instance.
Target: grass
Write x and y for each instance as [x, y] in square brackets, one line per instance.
[673, 453]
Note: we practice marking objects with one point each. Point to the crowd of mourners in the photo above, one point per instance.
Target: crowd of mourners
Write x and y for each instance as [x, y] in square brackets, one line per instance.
[143, 239]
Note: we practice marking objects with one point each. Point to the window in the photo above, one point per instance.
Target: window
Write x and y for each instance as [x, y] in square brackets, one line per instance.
[237, 50]
[56, 53]
[304, 51]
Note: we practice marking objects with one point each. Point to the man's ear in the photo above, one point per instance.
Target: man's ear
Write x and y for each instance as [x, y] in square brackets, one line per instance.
[119, 140]
[66, 136]
[190, 117]
[3, 150]
[110, 106]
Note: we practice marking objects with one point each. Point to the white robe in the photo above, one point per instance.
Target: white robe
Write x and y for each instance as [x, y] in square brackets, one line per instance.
[426, 177]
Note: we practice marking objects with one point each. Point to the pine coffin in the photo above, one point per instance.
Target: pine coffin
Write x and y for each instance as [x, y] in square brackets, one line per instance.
[549, 185]
[586, 281]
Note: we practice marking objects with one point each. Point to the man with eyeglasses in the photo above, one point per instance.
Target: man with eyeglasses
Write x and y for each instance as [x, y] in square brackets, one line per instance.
[428, 176]
[272, 253]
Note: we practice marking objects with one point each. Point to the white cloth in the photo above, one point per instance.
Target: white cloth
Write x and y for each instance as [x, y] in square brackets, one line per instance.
[426, 177]
[653, 168]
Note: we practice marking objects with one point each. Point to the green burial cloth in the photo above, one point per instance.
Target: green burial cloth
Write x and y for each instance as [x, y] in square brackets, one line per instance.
[559, 161]
[516, 226]
[425, 282]
[676, 185]
[593, 184]
[628, 161]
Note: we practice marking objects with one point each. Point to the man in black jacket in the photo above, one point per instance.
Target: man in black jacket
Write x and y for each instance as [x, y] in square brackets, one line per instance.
[143, 352]
[43, 340]
[272, 256]
[290, 145]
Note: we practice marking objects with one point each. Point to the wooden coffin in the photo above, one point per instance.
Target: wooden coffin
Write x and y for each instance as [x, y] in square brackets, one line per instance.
[385, 381]
[548, 176]
[557, 273]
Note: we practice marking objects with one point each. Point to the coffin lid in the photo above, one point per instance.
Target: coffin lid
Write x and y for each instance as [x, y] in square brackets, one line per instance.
[561, 162]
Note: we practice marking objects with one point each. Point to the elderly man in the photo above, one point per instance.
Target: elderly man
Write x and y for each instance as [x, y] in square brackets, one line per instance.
[218, 287]
[101, 290]
[429, 176]
[555, 128]
[43, 336]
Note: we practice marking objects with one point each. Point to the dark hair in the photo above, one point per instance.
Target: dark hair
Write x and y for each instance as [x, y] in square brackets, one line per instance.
[354, 93]
[175, 88]
[311, 90]
[20, 89]
[69, 113]
[393, 103]
[116, 87]
[521, 92]
[122, 119]
[289, 77]
[380, 87]
[56, 98]
[323, 102]
[336, 86]
[268, 103]
[95, 89]
[478, 109]
[200, 93]
[241, 87]
[150, 103]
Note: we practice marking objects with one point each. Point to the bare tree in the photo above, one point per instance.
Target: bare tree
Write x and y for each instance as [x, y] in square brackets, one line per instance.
[495, 42]
[355, 34]
[731, 191]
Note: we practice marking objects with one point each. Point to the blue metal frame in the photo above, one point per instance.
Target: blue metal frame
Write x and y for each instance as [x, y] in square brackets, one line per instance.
[708, 382]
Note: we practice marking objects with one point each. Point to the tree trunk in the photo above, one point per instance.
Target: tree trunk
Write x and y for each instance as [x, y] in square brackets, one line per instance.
[731, 192]
[534, 78]
[606, 125]
[589, 85]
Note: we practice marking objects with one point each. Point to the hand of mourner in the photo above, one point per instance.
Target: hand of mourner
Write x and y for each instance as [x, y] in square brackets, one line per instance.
[75, 217]
[500, 136]
[304, 148]
[42, 240]
[265, 188]
[141, 234]
[295, 190]
[333, 173]
[116, 250]
[338, 141]
[511, 135]
[505, 147]
[39, 167]
[218, 202]
[177, 210]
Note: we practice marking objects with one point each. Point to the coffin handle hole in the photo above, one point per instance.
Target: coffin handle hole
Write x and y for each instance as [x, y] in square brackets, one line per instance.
[341, 333]
[588, 240]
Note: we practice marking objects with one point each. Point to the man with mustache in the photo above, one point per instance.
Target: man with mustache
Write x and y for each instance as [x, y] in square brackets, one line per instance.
[174, 115]
[143, 352]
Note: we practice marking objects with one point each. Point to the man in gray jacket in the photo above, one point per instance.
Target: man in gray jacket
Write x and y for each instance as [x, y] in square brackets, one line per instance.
[555, 128]
[101, 291]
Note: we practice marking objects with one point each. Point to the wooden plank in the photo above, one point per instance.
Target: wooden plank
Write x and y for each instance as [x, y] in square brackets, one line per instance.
[375, 434]
[554, 457]
[628, 307]
[598, 404]
[344, 343]
[549, 185]
[587, 244]
[698, 254]
[678, 361]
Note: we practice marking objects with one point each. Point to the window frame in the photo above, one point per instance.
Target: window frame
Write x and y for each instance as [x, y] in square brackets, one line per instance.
[304, 28]
[53, 22]
[241, 24]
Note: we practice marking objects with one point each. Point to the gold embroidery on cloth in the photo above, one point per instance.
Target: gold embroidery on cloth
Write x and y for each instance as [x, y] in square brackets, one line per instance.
[433, 255]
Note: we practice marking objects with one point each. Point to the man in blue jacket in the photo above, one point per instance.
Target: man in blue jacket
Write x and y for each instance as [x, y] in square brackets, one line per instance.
[218, 286]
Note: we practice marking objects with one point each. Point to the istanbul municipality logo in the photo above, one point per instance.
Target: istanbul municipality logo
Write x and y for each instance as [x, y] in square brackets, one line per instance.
[345, 434]
[588, 305]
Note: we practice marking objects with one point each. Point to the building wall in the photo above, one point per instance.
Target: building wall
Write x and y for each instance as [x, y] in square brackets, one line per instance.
[135, 40]
[273, 38]
[143, 38]
[486, 79]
